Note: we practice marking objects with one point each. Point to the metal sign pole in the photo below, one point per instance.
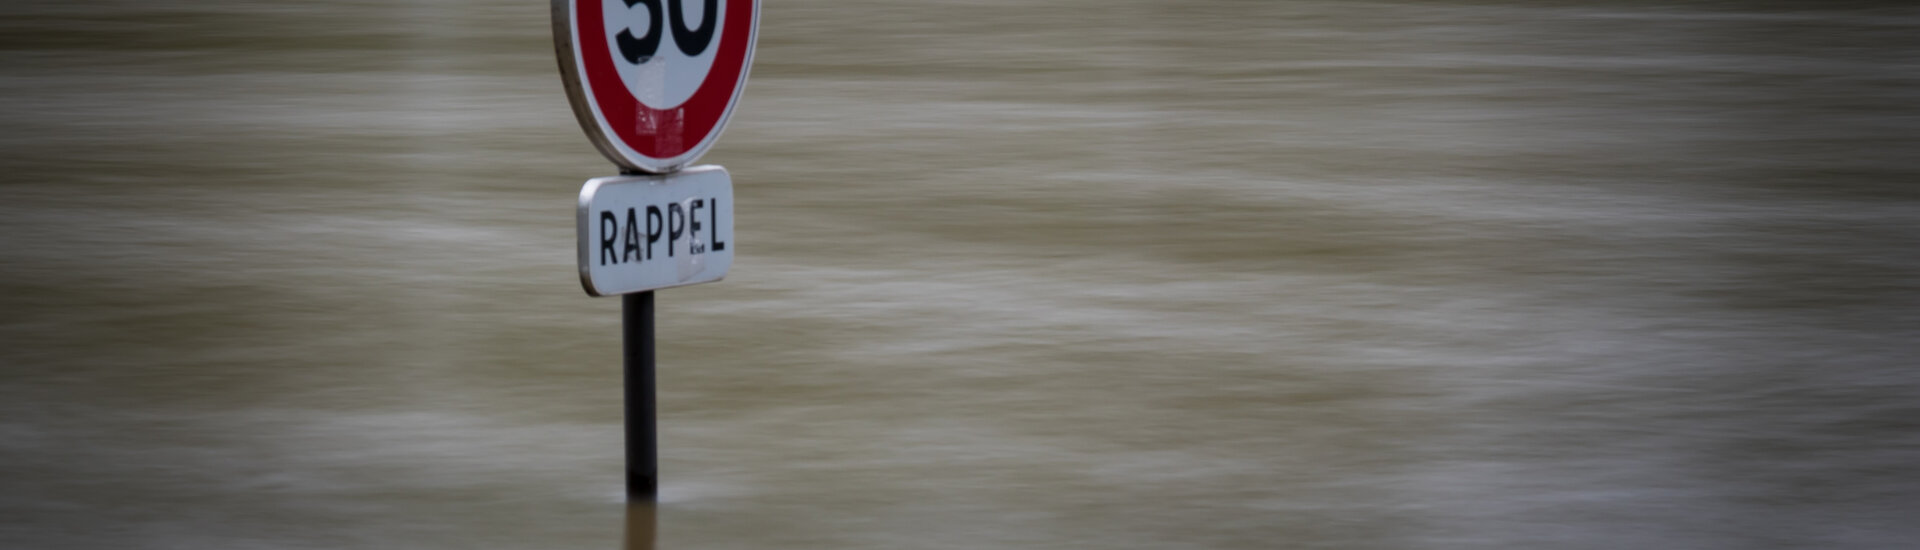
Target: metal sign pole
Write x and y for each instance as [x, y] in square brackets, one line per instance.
[636, 328]
[663, 222]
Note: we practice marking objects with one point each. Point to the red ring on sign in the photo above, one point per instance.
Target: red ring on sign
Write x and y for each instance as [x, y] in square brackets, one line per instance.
[663, 133]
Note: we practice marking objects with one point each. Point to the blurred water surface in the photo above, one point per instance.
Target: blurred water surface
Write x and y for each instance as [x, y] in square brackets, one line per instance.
[1012, 274]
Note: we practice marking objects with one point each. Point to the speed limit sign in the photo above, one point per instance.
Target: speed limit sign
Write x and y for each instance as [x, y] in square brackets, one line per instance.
[653, 81]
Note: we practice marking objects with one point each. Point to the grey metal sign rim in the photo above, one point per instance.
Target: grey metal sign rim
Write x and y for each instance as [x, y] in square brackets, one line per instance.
[596, 128]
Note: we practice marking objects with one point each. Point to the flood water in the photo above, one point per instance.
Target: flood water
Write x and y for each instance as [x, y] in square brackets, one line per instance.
[1010, 274]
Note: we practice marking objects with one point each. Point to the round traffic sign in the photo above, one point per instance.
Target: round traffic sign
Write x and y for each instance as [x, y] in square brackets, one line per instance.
[652, 81]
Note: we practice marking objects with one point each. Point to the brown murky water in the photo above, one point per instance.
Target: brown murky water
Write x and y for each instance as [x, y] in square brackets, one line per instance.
[1011, 274]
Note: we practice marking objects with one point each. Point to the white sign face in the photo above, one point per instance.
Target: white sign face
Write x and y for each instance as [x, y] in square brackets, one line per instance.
[640, 233]
[668, 75]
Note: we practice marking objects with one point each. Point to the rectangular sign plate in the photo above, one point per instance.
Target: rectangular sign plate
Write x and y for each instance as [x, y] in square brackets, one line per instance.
[640, 233]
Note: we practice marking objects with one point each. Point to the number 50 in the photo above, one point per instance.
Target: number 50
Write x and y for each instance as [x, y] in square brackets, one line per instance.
[690, 41]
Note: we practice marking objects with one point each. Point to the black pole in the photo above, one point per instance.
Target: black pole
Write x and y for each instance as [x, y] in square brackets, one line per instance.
[636, 331]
